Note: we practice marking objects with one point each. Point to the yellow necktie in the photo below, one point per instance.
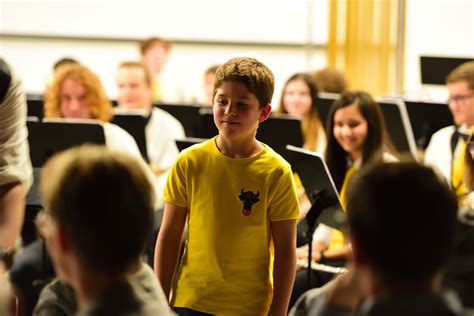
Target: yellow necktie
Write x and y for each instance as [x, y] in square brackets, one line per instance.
[337, 239]
[458, 171]
[350, 172]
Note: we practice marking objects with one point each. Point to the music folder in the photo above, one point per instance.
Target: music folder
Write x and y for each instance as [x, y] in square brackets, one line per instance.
[54, 135]
[186, 142]
[277, 131]
[135, 124]
[315, 177]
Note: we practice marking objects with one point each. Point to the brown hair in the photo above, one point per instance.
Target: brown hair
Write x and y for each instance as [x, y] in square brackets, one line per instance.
[99, 104]
[376, 142]
[377, 207]
[464, 72]
[311, 123]
[137, 64]
[330, 80]
[257, 77]
[111, 194]
[147, 43]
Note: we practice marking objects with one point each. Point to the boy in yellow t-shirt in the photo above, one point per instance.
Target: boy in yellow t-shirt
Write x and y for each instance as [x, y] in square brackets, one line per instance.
[239, 199]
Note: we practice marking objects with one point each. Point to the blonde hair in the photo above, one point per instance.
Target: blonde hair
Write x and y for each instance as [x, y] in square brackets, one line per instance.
[139, 65]
[99, 105]
[464, 72]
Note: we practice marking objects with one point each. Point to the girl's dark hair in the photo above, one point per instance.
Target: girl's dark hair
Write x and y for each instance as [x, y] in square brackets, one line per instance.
[375, 143]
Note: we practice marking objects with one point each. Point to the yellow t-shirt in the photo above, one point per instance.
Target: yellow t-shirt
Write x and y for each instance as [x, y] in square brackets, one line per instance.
[227, 263]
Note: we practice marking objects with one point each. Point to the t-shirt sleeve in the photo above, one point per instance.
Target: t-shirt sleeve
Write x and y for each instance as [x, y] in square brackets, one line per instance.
[175, 190]
[15, 164]
[284, 203]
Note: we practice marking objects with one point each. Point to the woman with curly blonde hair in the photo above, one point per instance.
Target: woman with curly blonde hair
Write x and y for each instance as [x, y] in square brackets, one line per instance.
[76, 93]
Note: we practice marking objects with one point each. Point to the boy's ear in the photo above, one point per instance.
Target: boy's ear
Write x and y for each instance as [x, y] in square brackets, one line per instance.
[265, 112]
[62, 239]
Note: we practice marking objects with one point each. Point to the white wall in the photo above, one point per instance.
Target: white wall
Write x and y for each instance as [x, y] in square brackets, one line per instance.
[61, 28]
[436, 28]
[433, 27]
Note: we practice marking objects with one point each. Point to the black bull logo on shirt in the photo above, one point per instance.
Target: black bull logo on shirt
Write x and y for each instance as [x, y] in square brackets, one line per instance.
[248, 198]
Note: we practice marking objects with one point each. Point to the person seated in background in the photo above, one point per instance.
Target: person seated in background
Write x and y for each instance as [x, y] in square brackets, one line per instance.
[135, 95]
[393, 272]
[77, 93]
[330, 80]
[447, 146]
[300, 98]
[448, 152]
[155, 52]
[208, 85]
[96, 228]
[356, 136]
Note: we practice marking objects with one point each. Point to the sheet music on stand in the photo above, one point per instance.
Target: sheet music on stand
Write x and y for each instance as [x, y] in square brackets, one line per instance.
[315, 177]
[134, 123]
[52, 135]
[186, 142]
[326, 207]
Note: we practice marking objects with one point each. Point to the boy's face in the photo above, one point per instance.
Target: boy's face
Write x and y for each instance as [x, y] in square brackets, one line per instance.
[236, 111]
[155, 58]
[461, 102]
[134, 91]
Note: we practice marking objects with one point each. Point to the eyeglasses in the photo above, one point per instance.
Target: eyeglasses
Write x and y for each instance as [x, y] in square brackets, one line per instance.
[460, 98]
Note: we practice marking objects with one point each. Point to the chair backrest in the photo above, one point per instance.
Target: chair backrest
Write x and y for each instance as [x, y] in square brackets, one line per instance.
[398, 125]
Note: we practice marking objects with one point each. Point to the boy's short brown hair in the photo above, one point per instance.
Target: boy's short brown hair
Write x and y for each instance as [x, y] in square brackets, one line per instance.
[257, 77]
[149, 42]
[464, 72]
[97, 194]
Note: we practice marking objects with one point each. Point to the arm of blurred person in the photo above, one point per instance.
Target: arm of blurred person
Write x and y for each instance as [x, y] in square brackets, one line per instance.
[15, 167]
[12, 210]
[340, 297]
[284, 266]
[168, 244]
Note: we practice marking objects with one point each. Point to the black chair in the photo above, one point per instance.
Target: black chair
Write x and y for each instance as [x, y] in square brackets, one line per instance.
[187, 115]
[398, 125]
[426, 118]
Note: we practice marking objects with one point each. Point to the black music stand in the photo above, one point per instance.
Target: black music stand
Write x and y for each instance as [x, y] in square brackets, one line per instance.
[186, 142]
[35, 106]
[435, 69]
[135, 125]
[54, 135]
[46, 138]
[277, 131]
[426, 118]
[324, 102]
[187, 115]
[398, 125]
[326, 207]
